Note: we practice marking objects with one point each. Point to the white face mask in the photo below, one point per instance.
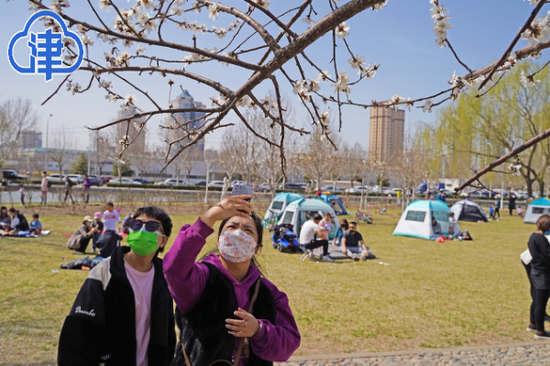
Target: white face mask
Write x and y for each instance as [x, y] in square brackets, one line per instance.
[236, 246]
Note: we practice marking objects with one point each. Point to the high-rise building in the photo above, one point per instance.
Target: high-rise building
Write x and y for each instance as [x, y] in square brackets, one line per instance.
[31, 140]
[186, 100]
[137, 146]
[387, 130]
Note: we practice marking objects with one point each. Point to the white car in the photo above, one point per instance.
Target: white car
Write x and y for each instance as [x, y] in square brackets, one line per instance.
[358, 190]
[236, 182]
[123, 181]
[216, 183]
[331, 189]
[173, 182]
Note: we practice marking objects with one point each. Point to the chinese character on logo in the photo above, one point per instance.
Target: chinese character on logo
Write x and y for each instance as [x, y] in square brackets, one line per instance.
[46, 48]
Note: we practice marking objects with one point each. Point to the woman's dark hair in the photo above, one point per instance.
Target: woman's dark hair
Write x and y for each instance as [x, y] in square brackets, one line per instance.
[257, 222]
[259, 229]
[2, 216]
[159, 214]
[543, 223]
[344, 224]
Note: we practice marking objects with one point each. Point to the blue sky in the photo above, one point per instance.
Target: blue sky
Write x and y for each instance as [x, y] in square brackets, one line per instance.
[399, 38]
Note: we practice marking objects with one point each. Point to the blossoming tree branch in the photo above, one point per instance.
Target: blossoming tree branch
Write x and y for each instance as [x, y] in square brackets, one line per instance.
[150, 37]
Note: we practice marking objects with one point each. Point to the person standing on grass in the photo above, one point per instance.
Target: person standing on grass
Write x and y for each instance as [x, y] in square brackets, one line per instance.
[497, 206]
[110, 217]
[539, 248]
[22, 193]
[307, 237]
[68, 189]
[214, 296]
[123, 315]
[512, 203]
[44, 186]
[353, 245]
[87, 185]
[100, 227]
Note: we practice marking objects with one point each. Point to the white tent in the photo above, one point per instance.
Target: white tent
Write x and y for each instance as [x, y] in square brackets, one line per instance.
[536, 209]
[278, 205]
[416, 221]
[298, 212]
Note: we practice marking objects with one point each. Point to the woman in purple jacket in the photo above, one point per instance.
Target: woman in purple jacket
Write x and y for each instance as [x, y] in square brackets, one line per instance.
[213, 295]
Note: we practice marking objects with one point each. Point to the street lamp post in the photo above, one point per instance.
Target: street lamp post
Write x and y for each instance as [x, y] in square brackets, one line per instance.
[491, 146]
[46, 162]
[89, 148]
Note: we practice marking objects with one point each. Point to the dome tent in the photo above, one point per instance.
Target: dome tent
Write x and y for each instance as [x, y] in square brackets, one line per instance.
[335, 202]
[416, 220]
[279, 203]
[299, 211]
[469, 211]
[536, 209]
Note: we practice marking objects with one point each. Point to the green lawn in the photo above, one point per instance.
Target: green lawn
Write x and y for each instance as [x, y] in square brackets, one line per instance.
[430, 295]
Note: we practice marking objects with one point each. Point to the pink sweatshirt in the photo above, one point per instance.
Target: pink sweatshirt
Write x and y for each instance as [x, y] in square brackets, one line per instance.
[187, 279]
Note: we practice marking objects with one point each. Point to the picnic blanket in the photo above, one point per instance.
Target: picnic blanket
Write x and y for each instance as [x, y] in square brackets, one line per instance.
[27, 234]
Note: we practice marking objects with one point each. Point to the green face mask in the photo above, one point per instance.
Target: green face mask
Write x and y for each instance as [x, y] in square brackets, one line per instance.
[143, 242]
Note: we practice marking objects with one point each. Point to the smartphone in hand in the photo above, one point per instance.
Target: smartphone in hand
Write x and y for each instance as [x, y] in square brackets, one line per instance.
[243, 190]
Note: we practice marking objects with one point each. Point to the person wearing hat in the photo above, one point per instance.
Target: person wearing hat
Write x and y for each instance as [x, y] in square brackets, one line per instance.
[98, 216]
[81, 237]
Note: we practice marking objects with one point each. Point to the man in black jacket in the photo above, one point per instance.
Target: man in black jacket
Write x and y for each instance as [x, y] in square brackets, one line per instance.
[123, 314]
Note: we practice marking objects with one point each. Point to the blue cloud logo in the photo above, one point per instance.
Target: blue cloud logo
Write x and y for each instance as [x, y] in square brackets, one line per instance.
[46, 48]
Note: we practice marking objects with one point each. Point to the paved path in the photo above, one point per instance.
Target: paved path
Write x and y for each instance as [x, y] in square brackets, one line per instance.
[532, 353]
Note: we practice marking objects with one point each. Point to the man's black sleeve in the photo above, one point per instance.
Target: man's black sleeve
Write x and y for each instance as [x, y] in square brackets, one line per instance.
[83, 333]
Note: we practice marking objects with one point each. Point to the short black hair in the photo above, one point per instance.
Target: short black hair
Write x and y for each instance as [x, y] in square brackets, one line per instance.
[111, 204]
[316, 216]
[159, 214]
[353, 223]
[35, 216]
[12, 210]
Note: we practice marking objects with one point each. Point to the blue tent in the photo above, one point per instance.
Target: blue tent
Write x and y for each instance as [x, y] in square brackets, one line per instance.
[335, 202]
[536, 209]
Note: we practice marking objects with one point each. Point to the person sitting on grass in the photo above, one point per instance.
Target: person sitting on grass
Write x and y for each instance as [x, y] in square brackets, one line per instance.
[340, 233]
[436, 227]
[36, 225]
[5, 219]
[520, 211]
[452, 224]
[326, 224]
[81, 237]
[123, 313]
[353, 245]
[307, 237]
[18, 222]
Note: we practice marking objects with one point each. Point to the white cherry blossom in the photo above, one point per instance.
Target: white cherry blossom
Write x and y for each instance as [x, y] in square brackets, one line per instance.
[213, 11]
[105, 5]
[342, 30]
[356, 62]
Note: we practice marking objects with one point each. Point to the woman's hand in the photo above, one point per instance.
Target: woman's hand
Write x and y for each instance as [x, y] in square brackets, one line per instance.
[247, 327]
[229, 207]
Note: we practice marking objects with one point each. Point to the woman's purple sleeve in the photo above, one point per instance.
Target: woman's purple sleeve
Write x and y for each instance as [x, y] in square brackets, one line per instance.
[187, 278]
[277, 342]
